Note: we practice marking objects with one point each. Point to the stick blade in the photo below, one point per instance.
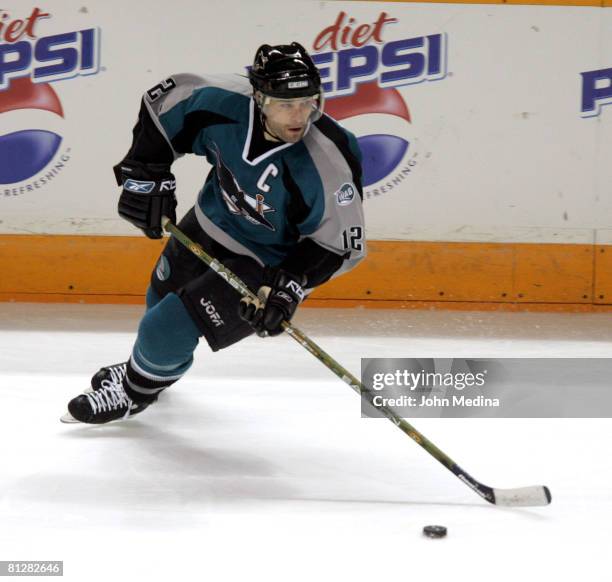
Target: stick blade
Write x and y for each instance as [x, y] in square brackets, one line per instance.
[535, 496]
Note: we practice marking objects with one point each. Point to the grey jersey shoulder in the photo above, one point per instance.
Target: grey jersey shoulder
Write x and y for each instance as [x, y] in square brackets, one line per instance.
[342, 226]
[182, 86]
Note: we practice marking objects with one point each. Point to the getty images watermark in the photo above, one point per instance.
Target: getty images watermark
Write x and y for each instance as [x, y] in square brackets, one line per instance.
[502, 387]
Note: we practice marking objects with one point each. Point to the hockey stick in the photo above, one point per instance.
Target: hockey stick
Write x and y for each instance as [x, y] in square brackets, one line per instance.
[518, 497]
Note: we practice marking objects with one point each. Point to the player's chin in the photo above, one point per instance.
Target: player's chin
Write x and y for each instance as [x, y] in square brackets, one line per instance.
[293, 134]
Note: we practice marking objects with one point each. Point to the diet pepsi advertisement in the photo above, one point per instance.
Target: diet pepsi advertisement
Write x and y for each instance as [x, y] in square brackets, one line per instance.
[362, 71]
[34, 58]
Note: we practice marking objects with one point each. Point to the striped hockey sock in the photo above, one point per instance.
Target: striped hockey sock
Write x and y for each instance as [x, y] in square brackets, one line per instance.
[143, 386]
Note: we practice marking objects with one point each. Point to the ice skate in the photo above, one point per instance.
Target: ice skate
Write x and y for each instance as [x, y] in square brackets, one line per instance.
[105, 400]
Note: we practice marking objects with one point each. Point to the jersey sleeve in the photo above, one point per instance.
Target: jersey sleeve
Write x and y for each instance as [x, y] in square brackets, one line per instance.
[174, 112]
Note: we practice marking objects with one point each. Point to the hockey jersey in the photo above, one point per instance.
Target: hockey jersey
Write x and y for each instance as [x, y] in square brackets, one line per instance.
[261, 198]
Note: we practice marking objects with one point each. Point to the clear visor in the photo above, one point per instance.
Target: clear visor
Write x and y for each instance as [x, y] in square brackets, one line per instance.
[313, 105]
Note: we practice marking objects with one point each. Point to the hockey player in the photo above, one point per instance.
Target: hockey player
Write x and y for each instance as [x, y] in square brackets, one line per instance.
[281, 207]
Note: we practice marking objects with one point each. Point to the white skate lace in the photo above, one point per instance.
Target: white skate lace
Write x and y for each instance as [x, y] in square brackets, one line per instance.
[112, 395]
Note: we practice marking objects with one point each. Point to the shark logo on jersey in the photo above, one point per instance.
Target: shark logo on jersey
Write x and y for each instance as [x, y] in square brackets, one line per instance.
[252, 208]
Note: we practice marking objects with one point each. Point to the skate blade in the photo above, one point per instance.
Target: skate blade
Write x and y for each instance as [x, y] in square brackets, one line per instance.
[68, 419]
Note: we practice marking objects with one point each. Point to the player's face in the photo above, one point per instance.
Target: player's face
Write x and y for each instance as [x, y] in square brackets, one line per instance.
[288, 118]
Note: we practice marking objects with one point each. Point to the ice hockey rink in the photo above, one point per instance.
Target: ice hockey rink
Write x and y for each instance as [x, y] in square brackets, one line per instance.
[257, 465]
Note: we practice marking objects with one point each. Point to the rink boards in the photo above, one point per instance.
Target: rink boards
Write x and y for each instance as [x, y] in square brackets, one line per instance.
[484, 127]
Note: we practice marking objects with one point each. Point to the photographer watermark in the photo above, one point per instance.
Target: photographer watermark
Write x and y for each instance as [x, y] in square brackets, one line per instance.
[502, 388]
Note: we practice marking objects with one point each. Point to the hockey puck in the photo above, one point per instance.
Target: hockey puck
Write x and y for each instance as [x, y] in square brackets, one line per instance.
[434, 531]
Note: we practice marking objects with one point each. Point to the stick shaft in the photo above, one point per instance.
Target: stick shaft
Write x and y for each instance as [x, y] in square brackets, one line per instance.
[233, 280]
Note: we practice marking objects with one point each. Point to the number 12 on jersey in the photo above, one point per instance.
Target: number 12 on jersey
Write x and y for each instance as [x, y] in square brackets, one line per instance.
[352, 238]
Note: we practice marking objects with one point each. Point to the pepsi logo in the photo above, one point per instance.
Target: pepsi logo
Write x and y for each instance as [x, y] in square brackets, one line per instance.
[381, 153]
[32, 116]
[361, 72]
[26, 152]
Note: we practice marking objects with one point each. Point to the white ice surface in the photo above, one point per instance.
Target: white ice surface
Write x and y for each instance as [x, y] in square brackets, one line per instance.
[257, 465]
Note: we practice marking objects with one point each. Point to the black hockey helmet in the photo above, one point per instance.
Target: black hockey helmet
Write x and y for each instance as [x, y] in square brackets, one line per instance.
[284, 71]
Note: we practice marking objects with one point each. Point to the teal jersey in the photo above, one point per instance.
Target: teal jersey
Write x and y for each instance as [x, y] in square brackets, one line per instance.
[261, 198]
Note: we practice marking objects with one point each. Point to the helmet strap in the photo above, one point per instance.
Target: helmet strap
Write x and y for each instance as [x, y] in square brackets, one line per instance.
[267, 129]
[262, 117]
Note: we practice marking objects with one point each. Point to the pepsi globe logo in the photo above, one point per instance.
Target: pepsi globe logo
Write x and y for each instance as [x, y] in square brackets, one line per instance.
[360, 75]
[31, 112]
[382, 153]
[26, 152]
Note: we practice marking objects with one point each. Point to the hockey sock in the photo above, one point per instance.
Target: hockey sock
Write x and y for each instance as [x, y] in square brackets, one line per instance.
[152, 298]
[163, 352]
[142, 386]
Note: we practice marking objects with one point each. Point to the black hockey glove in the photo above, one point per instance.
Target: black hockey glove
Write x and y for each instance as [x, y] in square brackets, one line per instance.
[147, 195]
[277, 300]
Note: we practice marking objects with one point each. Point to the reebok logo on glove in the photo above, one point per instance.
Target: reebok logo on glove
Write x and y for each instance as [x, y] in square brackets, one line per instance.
[147, 195]
[168, 185]
[138, 186]
[296, 288]
[276, 302]
[284, 296]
